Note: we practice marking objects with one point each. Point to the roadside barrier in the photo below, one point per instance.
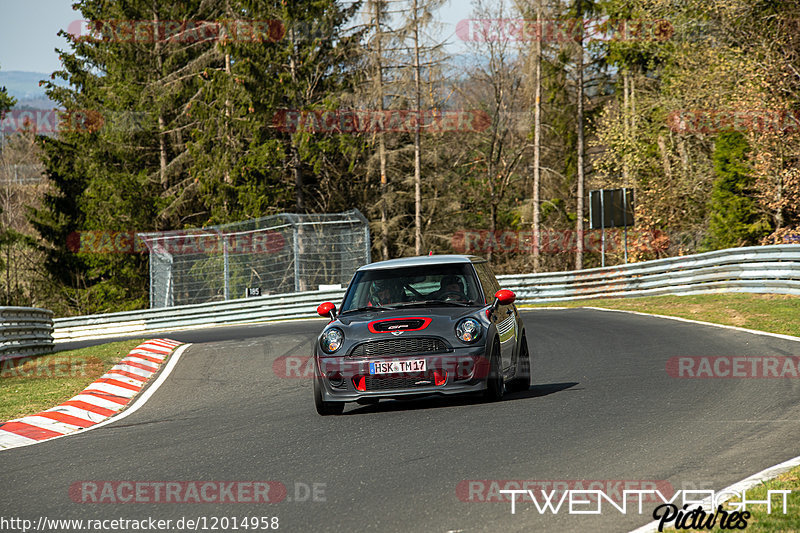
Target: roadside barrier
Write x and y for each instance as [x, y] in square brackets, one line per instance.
[759, 269]
[25, 331]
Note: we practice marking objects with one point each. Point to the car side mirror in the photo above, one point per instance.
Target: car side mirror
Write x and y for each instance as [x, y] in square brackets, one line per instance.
[505, 297]
[327, 309]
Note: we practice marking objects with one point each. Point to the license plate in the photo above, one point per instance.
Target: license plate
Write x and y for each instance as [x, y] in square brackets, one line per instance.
[394, 367]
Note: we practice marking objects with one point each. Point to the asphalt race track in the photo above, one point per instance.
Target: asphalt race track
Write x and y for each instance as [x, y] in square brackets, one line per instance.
[602, 407]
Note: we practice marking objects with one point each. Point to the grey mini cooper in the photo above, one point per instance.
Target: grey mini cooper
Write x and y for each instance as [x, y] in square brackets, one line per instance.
[419, 326]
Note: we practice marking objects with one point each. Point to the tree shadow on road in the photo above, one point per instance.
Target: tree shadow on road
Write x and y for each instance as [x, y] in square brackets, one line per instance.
[437, 402]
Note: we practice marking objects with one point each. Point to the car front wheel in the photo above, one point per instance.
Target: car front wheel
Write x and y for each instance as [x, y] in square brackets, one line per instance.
[325, 408]
[495, 388]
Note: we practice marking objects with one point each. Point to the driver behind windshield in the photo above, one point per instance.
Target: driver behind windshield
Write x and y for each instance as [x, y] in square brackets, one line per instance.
[384, 292]
[450, 288]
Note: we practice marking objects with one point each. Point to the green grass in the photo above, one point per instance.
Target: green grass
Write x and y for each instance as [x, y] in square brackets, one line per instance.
[762, 522]
[765, 312]
[30, 385]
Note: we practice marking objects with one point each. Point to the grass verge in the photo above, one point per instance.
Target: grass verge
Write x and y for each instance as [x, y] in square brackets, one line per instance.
[765, 312]
[760, 521]
[30, 385]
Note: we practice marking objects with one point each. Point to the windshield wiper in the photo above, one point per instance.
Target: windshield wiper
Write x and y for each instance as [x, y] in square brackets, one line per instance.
[366, 308]
[426, 303]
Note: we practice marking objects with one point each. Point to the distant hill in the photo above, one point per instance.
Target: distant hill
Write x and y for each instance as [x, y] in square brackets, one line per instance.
[24, 86]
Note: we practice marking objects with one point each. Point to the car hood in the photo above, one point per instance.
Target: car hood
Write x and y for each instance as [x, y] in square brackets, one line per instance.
[366, 326]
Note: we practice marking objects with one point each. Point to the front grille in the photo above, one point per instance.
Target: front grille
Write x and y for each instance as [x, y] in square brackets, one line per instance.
[380, 383]
[390, 347]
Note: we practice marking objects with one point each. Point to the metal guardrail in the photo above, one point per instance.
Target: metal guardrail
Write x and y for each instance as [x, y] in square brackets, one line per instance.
[249, 310]
[757, 269]
[25, 332]
[761, 269]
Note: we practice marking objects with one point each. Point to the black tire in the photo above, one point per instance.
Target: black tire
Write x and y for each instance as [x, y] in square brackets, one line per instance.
[325, 408]
[495, 388]
[522, 377]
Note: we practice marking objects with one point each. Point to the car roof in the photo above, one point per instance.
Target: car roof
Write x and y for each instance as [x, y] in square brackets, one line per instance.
[423, 260]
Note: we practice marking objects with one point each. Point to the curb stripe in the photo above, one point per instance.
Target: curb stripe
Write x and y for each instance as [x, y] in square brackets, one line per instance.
[27, 430]
[47, 423]
[149, 358]
[67, 419]
[141, 360]
[118, 383]
[12, 440]
[165, 344]
[130, 361]
[96, 394]
[133, 370]
[86, 407]
[94, 418]
[137, 383]
[101, 399]
[112, 389]
[127, 374]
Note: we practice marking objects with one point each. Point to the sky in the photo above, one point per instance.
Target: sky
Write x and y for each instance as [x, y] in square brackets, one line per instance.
[28, 31]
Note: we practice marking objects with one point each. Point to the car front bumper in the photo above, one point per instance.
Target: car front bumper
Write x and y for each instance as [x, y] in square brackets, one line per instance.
[347, 379]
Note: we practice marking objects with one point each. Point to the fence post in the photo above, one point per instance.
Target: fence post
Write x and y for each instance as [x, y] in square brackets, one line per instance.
[296, 257]
[226, 270]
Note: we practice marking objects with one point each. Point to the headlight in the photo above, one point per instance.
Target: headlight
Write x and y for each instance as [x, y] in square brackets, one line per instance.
[332, 340]
[468, 330]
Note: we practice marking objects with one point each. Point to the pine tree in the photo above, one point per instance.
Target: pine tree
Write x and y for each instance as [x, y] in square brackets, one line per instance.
[735, 218]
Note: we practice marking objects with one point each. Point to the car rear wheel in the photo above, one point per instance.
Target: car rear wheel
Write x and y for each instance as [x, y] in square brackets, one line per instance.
[325, 408]
[522, 376]
[495, 388]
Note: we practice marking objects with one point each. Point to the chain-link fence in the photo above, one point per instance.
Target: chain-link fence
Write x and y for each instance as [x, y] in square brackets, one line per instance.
[271, 255]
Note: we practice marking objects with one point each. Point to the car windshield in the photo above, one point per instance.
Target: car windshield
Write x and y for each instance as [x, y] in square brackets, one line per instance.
[446, 284]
